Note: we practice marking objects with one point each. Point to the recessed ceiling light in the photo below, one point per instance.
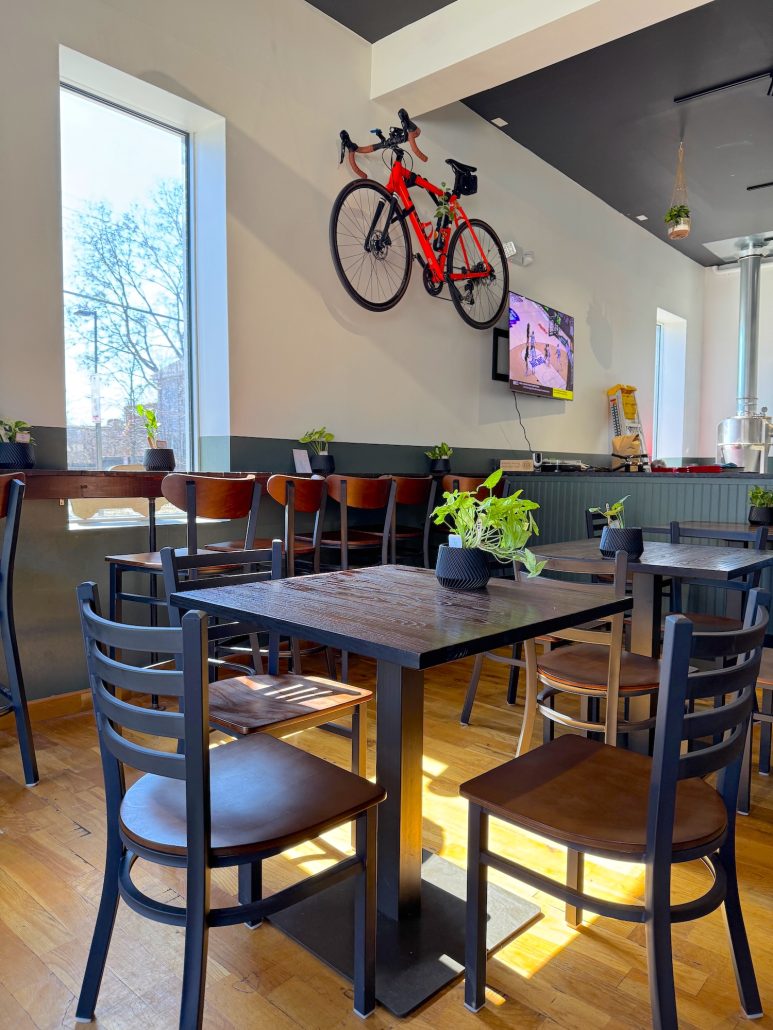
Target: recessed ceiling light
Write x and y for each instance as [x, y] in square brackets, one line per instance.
[641, 218]
[499, 122]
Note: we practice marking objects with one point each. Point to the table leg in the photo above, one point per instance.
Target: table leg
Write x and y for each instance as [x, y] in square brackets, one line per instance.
[645, 639]
[399, 740]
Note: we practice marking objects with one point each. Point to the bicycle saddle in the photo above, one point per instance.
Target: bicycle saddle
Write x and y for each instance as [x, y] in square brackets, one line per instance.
[459, 167]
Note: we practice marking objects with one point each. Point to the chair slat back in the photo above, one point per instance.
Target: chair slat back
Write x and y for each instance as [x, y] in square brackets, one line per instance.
[359, 492]
[307, 494]
[616, 570]
[730, 688]
[215, 497]
[114, 713]
[756, 539]
[594, 523]
[412, 490]
[234, 568]
[472, 484]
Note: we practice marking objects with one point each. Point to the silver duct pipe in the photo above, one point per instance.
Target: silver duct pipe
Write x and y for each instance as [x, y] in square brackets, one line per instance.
[748, 330]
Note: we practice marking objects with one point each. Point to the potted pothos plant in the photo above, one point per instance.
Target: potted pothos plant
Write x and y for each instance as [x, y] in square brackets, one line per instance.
[497, 526]
[439, 458]
[158, 457]
[616, 536]
[318, 440]
[678, 221]
[16, 445]
[761, 510]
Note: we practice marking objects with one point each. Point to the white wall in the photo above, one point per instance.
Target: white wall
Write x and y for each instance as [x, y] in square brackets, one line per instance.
[286, 78]
[719, 379]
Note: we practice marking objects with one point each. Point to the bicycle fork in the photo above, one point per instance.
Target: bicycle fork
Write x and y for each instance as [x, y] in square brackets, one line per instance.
[391, 217]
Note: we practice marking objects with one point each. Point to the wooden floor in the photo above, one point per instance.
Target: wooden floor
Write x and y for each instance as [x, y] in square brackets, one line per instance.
[51, 853]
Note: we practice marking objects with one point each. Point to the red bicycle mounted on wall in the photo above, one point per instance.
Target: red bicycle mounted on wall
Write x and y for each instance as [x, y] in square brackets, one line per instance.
[371, 245]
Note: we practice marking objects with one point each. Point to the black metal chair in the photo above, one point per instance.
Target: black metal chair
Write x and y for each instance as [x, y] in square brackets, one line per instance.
[200, 810]
[272, 703]
[601, 800]
[12, 694]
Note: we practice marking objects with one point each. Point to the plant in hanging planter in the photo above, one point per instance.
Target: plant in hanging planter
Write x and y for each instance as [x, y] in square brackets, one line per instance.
[16, 445]
[616, 536]
[158, 457]
[761, 510]
[497, 526]
[318, 440]
[439, 456]
[678, 221]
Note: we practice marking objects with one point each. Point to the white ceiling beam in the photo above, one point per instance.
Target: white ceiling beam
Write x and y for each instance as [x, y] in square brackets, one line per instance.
[473, 45]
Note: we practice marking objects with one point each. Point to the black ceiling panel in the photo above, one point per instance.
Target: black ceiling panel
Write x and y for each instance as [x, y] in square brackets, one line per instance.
[607, 119]
[374, 19]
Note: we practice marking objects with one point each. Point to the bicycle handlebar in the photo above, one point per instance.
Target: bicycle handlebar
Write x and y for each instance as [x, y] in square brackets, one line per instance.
[406, 134]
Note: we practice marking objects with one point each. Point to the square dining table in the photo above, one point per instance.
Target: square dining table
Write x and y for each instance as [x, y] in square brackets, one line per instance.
[407, 622]
[659, 561]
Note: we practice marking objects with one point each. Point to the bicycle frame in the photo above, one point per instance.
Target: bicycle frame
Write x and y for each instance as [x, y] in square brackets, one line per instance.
[400, 182]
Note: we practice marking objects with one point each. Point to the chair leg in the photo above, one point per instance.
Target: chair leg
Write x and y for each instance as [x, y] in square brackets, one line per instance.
[365, 916]
[477, 893]
[295, 651]
[18, 702]
[660, 962]
[745, 788]
[344, 666]
[530, 701]
[103, 931]
[330, 662]
[766, 708]
[739, 942]
[196, 943]
[251, 887]
[575, 870]
[360, 740]
[472, 688]
[512, 679]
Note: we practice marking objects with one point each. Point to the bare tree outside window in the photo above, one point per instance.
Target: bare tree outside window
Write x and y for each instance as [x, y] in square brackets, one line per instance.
[126, 286]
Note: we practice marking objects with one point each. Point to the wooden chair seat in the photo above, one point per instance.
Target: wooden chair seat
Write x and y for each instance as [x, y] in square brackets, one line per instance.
[358, 539]
[705, 623]
[585, 668]
[588, 795]
[145, 559]
[302, 545]
[266, 796]
[279, 704]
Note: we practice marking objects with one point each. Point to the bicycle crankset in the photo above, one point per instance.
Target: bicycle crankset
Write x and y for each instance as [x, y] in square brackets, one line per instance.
[433, 288]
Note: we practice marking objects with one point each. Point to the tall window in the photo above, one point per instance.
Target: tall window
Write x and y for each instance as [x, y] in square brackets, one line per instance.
[125, 241]
[669, 393]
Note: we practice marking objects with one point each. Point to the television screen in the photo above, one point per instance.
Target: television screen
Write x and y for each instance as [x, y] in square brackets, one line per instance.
[541, 349]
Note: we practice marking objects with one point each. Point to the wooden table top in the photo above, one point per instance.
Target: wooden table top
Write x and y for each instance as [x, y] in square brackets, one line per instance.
[675, 560]
[403, 615]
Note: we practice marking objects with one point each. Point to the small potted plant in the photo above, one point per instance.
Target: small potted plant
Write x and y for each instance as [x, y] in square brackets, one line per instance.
[16, 445]
[497, 526]
[158, 457]
[319, 459]
[761, 510]
[615, 536]
[678, 221]
[439, 455]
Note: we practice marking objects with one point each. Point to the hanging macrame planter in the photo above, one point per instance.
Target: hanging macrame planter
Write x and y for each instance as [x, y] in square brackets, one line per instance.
[678, 215]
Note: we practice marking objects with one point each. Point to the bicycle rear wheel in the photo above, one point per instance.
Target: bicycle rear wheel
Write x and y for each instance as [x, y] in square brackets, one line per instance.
[372, 258]
[480, 302]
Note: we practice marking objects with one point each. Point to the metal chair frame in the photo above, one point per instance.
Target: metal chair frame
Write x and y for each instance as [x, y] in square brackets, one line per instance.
[732, 685]
[189, 728]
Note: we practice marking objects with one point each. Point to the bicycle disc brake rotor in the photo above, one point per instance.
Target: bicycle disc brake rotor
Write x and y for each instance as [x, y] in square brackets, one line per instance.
[379, 244]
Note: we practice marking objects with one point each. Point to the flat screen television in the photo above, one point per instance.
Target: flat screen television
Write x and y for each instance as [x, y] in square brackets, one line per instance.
[541, 349]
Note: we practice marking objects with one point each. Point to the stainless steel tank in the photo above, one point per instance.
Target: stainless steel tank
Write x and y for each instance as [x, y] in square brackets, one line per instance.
[745, 441]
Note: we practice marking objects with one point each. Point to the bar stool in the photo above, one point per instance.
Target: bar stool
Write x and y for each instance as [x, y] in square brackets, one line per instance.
[210, 497]
[12, 695]
[297, 495]
[355, 493]
[411, 492]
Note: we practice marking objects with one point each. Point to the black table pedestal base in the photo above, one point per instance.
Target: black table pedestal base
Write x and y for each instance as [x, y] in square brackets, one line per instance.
[417, 956]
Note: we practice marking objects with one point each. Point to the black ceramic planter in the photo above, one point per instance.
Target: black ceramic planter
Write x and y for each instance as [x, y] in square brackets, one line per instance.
[159, 459]
[17, 456]
[439, 466]
[614, 539]
[760, 516]
[462, 568]
[322, 464]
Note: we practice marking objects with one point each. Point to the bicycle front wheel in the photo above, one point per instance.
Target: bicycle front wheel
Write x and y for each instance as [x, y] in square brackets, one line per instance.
[371, 254]
[480, 300]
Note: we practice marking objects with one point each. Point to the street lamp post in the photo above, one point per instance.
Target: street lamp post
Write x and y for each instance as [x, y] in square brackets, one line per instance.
[97, 408]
